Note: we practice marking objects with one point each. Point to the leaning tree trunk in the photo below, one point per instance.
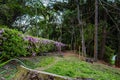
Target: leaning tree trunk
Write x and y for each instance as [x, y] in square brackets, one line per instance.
[117, 61]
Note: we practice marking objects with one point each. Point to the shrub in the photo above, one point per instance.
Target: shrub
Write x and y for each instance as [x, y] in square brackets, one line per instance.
[37, 45]
[14, 44]
[109, 54]
[11, 44]
[40, 45]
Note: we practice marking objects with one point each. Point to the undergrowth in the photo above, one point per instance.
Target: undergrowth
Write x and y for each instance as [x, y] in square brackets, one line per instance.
[75, 68]
[68, 66]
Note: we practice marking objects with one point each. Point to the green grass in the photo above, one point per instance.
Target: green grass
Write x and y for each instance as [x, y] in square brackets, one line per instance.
[38, 62]
[32, 63]
[45, 61]
[70, 66]
[75, 68]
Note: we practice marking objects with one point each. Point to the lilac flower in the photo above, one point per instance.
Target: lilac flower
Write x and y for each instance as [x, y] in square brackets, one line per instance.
[1, 31]
[31, 39]
[59, 45]
[46, 41]
[34, 54]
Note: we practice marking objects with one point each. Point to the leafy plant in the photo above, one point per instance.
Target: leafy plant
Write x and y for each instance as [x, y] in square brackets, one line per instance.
[109, 54]
[45, 61]
[75, 68]
[12, 44]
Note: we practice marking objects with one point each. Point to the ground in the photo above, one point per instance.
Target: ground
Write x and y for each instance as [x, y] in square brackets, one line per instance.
[69, 64]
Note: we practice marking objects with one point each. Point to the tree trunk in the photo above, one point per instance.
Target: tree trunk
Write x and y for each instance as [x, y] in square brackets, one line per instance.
[96, 32]
[81, 29]
[103, 37]
[103, 43]
[117, 60]
[83, 42]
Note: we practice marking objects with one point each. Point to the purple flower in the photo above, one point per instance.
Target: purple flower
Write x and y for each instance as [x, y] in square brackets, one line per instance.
[34, 54]
[31, 39]
[46, 41]
[1, 31]
[59, 45]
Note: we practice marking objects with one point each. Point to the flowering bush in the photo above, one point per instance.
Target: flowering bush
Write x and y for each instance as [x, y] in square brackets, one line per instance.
[38, 45]
[11, 44]
[15, 44]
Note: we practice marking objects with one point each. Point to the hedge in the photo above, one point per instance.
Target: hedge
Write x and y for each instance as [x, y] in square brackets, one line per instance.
[15, 44]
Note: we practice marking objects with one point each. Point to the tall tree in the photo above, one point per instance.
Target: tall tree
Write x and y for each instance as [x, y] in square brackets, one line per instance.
[80, 24]
[96, 31]
[117, 61]
[104, 35]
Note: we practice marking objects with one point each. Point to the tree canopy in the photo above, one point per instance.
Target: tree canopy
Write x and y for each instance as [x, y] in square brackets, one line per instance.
[60, 20]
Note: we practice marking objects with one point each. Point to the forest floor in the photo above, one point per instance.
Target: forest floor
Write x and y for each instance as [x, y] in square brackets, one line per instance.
[70, 64]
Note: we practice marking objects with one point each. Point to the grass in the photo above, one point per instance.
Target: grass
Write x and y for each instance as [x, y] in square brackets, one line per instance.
[68, 66]
[73, 67]
[9, 69]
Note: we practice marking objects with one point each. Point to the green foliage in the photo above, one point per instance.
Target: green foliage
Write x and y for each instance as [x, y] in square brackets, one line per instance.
[109, 54]
[41, 61]
[70, 66]
[73, 67]
[2, 26]
[12, 44]
[45, 61]
[39, 47]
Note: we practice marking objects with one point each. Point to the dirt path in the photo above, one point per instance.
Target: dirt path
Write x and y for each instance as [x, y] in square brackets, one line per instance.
[72, 54]
[65, 54]
[69, 53]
